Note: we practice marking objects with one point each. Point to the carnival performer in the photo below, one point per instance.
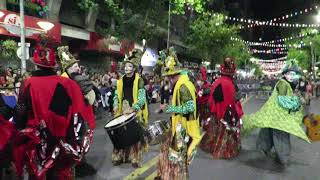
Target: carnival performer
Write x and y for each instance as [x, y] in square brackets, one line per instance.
[7, 130]
[279, 117]
[55, 126]
[130, 96]
[180, 144]
[203, 91]
[71, 69]
[223, 135]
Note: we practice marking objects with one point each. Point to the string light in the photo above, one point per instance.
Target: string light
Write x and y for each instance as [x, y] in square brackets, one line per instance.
[272, 22]
[270, 60]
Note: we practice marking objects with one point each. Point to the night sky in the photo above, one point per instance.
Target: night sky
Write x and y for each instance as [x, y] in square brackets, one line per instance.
[269, 9]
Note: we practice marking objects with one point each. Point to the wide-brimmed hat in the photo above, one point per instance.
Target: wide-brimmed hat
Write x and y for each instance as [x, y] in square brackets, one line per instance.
[172, 64]
[228, 67]
[44, 57]
[134, 58]
[66, 58]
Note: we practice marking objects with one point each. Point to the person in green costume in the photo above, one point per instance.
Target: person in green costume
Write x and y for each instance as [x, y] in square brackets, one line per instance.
[280, 117]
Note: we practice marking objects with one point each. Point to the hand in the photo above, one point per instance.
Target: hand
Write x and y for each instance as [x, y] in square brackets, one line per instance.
[128, 111]
[115, 110]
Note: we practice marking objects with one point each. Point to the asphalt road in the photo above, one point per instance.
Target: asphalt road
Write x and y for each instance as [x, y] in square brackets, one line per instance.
[249, 165]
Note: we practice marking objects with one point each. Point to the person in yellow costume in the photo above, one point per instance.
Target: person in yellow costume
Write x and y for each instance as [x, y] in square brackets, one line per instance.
[130, 96]
[180, 144]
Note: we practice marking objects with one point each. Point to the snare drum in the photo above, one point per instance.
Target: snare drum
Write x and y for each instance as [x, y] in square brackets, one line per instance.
[124, 131]
[156, 131]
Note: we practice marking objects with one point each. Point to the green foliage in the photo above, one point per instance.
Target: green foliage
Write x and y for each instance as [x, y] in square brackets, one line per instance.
[179, 6]
[8, 49]
[210, 38]
[302, 56]
[134, 20]
[86, 5]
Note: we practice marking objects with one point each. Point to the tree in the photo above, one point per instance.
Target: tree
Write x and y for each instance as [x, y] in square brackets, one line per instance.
[210, 38]
[302, 56]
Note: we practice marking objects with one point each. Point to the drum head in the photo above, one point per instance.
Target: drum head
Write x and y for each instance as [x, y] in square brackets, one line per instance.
[119, 120]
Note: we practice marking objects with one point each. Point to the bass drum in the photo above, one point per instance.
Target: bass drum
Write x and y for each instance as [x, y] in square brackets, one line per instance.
[124, 131]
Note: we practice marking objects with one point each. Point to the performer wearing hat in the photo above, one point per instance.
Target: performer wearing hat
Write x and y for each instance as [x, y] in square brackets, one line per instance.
[71, 69]
[52, 118]
[179, 146]
[130, 97]
[279, 117]
[223, 140]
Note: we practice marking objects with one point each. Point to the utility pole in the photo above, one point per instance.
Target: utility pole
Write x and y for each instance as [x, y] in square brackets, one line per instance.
[169, 19]
[22, 38]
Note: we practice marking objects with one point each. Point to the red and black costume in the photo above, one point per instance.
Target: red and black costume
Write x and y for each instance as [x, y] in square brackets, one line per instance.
[222, 138]
[56, 125]
[7, 130]
[203, 91]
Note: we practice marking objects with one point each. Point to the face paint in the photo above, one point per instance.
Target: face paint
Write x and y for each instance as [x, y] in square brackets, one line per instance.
[292, 76]
[128, 68]
[74, 68]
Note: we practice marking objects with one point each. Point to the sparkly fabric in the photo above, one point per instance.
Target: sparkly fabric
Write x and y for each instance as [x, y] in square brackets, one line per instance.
[167, 169]
[187, 108]
[291, 103]
[141, 99]
[132, 154]
[220, 142]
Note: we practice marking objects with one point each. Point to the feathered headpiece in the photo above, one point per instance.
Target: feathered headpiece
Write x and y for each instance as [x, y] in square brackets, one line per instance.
[66, 58]
[172, 65]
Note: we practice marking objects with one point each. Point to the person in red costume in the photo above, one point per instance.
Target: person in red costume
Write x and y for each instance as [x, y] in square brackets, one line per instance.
[223, 141]
[54, 122]
[7, 133]
[203, 91]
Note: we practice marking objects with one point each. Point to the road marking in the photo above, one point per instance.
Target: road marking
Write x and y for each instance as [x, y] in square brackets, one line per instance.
[152, 176]
[139, 171]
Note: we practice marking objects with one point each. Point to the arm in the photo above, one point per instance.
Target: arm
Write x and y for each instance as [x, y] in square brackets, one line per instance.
[141, 96]
[22, 108]
[187, 105]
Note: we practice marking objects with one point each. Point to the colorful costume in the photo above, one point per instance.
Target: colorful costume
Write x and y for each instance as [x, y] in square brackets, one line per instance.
[131, 95]
[8, 131]
[203, 91]
[179, 146]
[56, 127]
[222, 137]
[279, 117]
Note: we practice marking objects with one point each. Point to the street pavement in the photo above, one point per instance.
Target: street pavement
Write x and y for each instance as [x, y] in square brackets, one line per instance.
[249, 165]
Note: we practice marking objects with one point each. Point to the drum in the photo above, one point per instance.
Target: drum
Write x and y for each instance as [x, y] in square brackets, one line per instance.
[156, 131]
[124, 131]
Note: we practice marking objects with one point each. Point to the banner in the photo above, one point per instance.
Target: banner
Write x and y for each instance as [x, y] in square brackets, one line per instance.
[10, 26]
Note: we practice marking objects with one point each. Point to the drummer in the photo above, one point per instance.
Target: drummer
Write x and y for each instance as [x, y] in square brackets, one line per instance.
[130, 97]
[179, 147]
